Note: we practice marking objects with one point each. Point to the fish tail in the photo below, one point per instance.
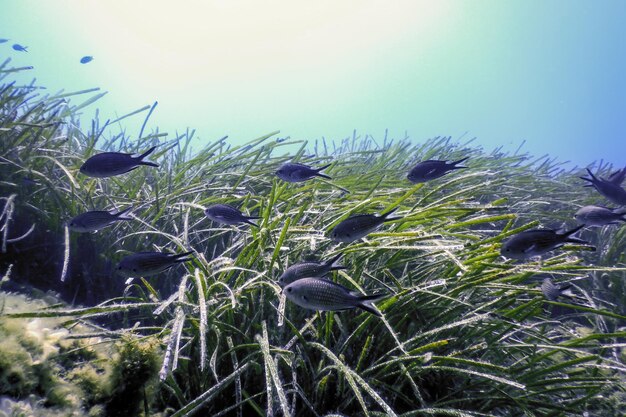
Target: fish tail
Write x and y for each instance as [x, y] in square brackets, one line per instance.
[146, 153]
[453, 164]
[148, 163]
[366, 301]
[247, 220]
[180, 257]
[120, 214]
[331, 263]
[388, 219]
[317, 174]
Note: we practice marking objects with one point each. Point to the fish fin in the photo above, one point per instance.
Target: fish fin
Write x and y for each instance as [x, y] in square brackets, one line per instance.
[365, 303]
[180, 257]
[120, 214]
[323, 168]
[247, 220]
[388, 219]
[151, 164]
[530, 248]
[331, 263]
[572, 231]
[317, 174]
[453, 164]
[146, 153]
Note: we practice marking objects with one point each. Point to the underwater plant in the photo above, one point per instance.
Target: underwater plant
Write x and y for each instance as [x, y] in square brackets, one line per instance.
[463, 331]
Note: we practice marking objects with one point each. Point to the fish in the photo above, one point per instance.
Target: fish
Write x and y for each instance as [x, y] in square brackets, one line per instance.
[150, 263]
[432, 169]
[222, 213]
[599, 216]
[612, 191]
[309, 269]
[108, 164]
[292, 172]
[4, 40]
[96, 220]
[321, 294]
[531, 243]
[356, 227]
[86, 59]
[618, 176]
[20, 48]
[552, 291]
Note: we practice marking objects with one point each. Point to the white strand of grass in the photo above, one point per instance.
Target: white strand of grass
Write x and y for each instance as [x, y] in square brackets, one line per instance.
[9, 206]
[233, 357]
[24, 236]
[353, 379]
[7, 274]
[271, 374]
[281, 309]
[203, 319]
[307, 325]
[213, 361]
[166, 357]
[177, 332]
[66, 256]
[165, 304]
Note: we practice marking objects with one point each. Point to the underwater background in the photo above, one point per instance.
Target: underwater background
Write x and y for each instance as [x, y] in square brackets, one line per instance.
[353, 209]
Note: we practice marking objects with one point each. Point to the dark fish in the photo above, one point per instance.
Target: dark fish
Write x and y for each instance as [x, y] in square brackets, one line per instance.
[610, 190]
[618, 176]
[599, 216]
[552, 292]
[4, 40]
[325, 295]
[96, 220]
[222, 213]
[86, 59]
[108, 164]
[531, 243]
[356, 227]
[149, 263]
[309, 269]
[20, 48]
[431, 169]
[292, 172]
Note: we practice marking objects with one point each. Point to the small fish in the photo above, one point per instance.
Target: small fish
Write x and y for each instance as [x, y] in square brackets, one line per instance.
[292, 172]
[149, 263]
[431, 169]
[86, 59]
[325, 295]
[552, 292]
[96, 220]
[20, 48]
[356, 227]
[608, 189]
[531, 243]
[618, 176]
[4, 40]
[222, 213]
[108, 164]
[599, 216]
[309, 269]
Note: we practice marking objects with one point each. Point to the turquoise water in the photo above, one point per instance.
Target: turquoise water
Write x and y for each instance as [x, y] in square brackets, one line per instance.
[549, 73]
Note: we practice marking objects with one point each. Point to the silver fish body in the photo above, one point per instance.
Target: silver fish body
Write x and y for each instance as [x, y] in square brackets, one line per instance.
[108, 164]
[149, 263]
[222, 213]
[532, 243]
[599, 216]
[432, 169]
[552, 291]
[611, 190]
[309, 269]
[96, 220]
[293, 172]
[324, 295]
[356, 227]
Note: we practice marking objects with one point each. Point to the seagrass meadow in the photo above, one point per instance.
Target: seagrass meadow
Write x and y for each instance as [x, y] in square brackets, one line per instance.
[463, 332]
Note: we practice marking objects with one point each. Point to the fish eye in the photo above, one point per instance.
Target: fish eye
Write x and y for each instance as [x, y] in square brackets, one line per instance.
[289, 289]
[134, 269]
